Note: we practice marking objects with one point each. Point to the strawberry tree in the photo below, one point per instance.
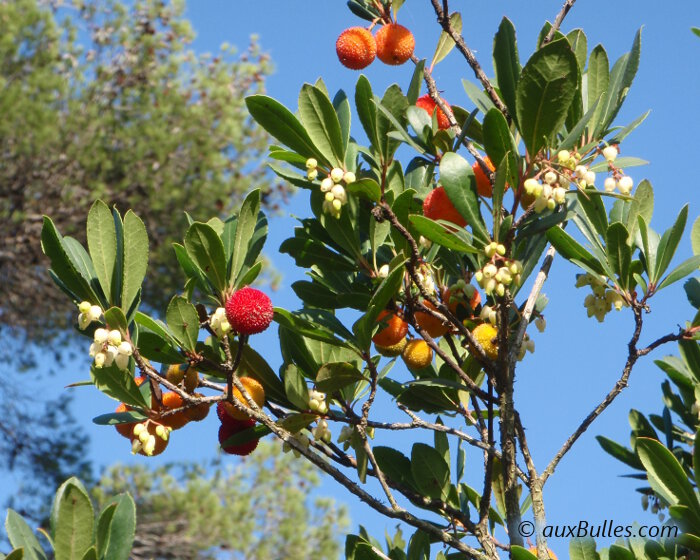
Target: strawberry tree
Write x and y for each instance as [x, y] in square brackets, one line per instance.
[431, 233]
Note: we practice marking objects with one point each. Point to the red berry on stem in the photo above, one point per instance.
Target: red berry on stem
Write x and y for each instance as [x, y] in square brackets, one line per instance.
[249, 311]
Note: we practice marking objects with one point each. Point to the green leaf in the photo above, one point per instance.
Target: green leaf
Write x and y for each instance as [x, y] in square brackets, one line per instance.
[442, 232]
[479, 98]
[394, 464]
[367, 110]
[665, 474]
[416, 81]
[430, 472]
[681, 271]
[135, 258]
[102, 243]
[583, 549]
[116, 528]
[445, 43]
[574, 136]
[499, 143]
[279, 121]
[116, 418]
[692, 291]
[341, 104]
[570, 249]
[321, 122]
[296, 422]
[457, 177]
[669, 243]
[387, 289]
[295, 387]
[545, 92]
[620, 80]
[506, 63]
[255, 366]
[246, 435]
[579, 44]
[118, 384]
[619, 253]
[520, 553]
[62, 265]
[336, 375]
[620, 452]
[206, 249]
[72, 521]
[90, 554]
[695, 236]
[245, 227]
[366, 187]
[20, 535]
[597, 76]
[305, 327]
[617, 552]
[419, 546]
[183, 322]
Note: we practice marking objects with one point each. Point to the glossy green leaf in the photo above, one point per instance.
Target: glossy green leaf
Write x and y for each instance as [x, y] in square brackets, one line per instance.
[597, 76]
[579, 44]
[457, 177]
[183, 322]
[419, 546]
[20, 535]
[414, 87]
[520, 553]
[620, 452]
[295, 387]
[255, 366]
[321, 123]
[281, 123]
[545, 92]
[366, 187]
[665, 474]
[118, 384]
[366, 109]
[443, 233]
[692, 291]
[341, 104]
[573, 139]
[619, 253]
[445, 43]
[246, 435]
[430, 472]
[245, 228]
[506, 63]
[395, 465]
[206, 249]
[499, 143]
[621, 77]
[305, 327]
[583, 549]
[570, 249]
[687, 267]
[102, 244]
[135, 258]
[116, 528]
[669, 242]
[336, 375]
[72, 521]
[116, 418]
[695, 236]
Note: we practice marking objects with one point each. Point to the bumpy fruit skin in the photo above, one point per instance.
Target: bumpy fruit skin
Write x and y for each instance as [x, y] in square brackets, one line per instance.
[552, 556]
[393, 350]
[256, 392]
[429, 106]
[431, 324]
[483, 185]
[356, 48]
[396, 329]
[438, 206]
[176, 421]
[199, 412]
[231, 428]
[395, 44]
[417, 354]
[487, 337]
[249, 311]
[124, 429]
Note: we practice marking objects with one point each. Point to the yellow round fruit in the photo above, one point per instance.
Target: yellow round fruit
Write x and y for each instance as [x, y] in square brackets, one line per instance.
[256, 392]
[417, 354]
[487, 337]
[393, 350]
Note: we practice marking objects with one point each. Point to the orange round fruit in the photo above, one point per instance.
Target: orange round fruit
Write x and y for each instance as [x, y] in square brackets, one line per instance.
[552, 556]
[356, 48]
[396, 329]
[429, 106]
[256, 392]
[438, 206]
[170, 401]
[460, 301]
[431, 324]
[483, 185]
[199, 412]
[417, 354]
[395, 44]
[124, 429]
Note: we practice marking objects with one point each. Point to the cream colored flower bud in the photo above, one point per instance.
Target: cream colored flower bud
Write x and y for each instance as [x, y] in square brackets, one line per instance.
[625, 184]
[84, 307]
[121, 361]
[610, 153]
[311, 163]
[110, 354]
[149, 446]
[83, 321]
[530, 185]
[541, 324]
[589, 177]
[349, 177]
[559, 195]
[312, 174]
[550, 177]
[95, 312]
[609, 184]
[100, 358]
[337, 174]
[563, 156]
[326, 185]
[580, 171]
[115, 337]
[383, 271]
[136, 446]
[101, 336]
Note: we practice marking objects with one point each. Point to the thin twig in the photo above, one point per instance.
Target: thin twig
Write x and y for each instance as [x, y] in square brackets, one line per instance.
[558, 20]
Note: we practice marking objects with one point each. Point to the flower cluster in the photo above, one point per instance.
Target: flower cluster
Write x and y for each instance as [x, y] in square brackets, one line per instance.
[317, 402]
[528, 345]
[622, 183]
[500, 272]
[88, 314]
[219, 323]
[335, 195]
[146, 441]
[321, 432]
[108, 348]
[603, 298]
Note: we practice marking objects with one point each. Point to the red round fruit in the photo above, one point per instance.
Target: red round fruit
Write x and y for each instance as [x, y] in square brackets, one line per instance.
[233, 427]
[356, 48]
[438, 206]
[249, 311]
[428, 105]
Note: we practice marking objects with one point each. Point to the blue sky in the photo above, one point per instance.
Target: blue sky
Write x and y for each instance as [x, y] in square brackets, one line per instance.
[577, 360]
